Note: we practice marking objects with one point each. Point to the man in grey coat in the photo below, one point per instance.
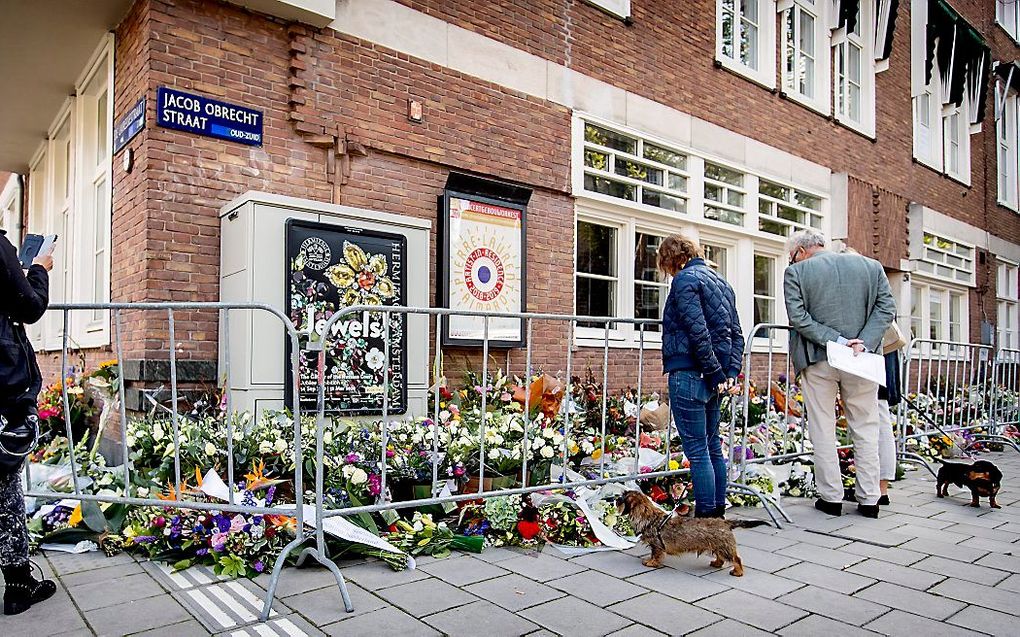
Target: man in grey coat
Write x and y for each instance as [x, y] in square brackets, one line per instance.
[846, 299]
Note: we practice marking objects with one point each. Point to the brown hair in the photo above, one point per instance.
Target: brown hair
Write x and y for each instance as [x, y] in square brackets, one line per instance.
[675, 251]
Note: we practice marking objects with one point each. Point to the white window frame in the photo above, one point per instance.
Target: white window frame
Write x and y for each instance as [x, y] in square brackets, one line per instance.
[1007, 140]
[821, 101]
[956, 130]
[956, 257]
[865, 41]
[1007, 298]
[928, 139]
[617, 8]
[68, 176]
[922, 290]
[1007, 16]
[9, 209]
[764, 69]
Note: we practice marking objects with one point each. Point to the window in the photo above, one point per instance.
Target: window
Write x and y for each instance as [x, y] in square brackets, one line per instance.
[927, 135]
[724, 194]
[618, 8]
[947, 259]
[854, 72]
[1008, 296]
[597, 271]
[9, 195]
[938, 313]
[651, 286]
[782, 210]
[764, 289]
[624, 167]
[1007, 14]
[805, 76]
[715, 257]
[957, 143]
[1006, 145]
[70, 188]
[745, 38]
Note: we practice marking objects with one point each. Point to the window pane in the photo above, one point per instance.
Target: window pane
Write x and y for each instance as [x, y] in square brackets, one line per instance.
[734, 198]
[764, 279]
[749, 10]
[605, 137]
[726, 216]
[610, 187]
[807, 33]
[596, 249]
[773, 190]
[725, 175]
[727, 27]
[648, 303]
[790, 214]
[595, 297]
[664, 156]
[713, 192]
[645, 252]
[596, 159]
[716, 258]
[103, 133]
[677, 182]
[749, 44]
[807, 201]
[664, 201]
[638, 171]
[766, 225]
[762, 311]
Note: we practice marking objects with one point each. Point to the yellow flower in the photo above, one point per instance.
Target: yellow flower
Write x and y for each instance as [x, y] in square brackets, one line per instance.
[574, 448]
[76, 517]
[595, 455]
[673, 465]
[106, 364]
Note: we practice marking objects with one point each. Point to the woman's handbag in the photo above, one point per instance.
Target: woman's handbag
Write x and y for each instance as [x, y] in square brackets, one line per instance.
[19, 432]
[893, 341]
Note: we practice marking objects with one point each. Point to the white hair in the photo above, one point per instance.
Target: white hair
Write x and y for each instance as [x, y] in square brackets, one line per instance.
[805, 239]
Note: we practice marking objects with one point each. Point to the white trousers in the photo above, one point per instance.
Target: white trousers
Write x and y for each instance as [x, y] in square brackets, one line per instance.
[821, 383]
[886, 443]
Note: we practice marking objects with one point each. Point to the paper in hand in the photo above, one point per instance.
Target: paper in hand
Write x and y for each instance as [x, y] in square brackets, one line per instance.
[865, 365]
[35, 245]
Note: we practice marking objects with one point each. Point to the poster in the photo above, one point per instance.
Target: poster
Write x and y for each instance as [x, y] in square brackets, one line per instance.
[333, 267]
[484, 269]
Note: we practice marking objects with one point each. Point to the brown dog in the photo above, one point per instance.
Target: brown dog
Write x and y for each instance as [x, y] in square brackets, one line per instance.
[982, 478]
[673, 535]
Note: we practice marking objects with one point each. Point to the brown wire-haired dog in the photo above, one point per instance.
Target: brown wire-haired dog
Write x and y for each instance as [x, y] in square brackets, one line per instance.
[673, 534]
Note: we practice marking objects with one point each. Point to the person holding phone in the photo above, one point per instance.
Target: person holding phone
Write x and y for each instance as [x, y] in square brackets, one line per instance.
[24, 297]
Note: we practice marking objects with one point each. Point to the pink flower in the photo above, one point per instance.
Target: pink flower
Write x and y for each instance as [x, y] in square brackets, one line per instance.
[237, 523]
[217, 541]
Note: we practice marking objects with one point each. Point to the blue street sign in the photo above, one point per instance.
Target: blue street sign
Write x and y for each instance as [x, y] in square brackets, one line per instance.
[130, 125]
[212, 118]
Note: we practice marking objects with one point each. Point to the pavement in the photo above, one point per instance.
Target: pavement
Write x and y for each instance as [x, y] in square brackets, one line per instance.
[927, 566]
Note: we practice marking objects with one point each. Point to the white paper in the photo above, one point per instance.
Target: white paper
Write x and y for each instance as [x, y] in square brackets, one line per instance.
[867, 366]
[85, 546]
[606, 535]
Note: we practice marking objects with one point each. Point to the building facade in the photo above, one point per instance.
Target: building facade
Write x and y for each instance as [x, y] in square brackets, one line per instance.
[889, 125]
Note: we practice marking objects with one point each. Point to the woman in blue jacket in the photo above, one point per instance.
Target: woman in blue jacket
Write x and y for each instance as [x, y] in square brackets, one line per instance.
[702, 348]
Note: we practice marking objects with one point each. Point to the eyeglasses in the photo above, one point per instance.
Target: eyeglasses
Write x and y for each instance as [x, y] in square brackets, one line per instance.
[793, 255]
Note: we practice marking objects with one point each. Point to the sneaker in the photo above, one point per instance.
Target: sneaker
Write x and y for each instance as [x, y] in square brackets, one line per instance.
[868, 510]
[830, 508]
[883, 501]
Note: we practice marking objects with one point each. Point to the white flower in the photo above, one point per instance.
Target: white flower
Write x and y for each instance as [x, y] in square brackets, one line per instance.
[358, 476]
[444, 415]
[130, 441]
[157, 432]
[557, 440]
[548, 433]
[210, 449]
[327, 437]
[265, 446]
[547, 452]
[375, 359]
[587, 447]
[280, 445]
[348, 470]
[143, 492]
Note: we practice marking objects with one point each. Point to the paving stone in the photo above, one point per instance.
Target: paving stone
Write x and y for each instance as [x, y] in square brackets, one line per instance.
[972, 517]
[294, 581]
[57, 613]
[818, 539]
[189, 628]
[1011, 583]
[283, 626]
[830, 578]
[912, 601]
[939, 535]
[136, 616]
[324, 606]
[498, 554]
[1009, 527]
[541, 567]
[229, 604]
[425, 597]
[756, 582]
[900, 624]
[570, 617]
[374, 576]
[979, 595]
[987, 621]
[615, 563]
[985, 532]
[992, 546]
[895, 554]
[101, 592]
[820, 555]
[463, 570]
[67, 563]
[763, 541]
[683, 586]
[895, 574]
[598, 588]
[969, 572]
[768, 561]
[882, 537]
[729, 628]
[106, 574]
[382, 622]
[751, 609]
[690, 563]
[815, 625]
[542, 633]
[952, 551]
[635, 630]
[843, 608]
[514, 592]
[905, 518]
[482, 618]
[1009, 563]
[663, 613]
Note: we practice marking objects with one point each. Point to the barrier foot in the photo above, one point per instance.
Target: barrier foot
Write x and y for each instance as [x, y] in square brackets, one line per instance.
[916, 459]
[308, 552]
[1001, 439]
[767, 503]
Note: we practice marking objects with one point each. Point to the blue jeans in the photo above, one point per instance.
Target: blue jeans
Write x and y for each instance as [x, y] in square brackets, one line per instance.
[696, 414]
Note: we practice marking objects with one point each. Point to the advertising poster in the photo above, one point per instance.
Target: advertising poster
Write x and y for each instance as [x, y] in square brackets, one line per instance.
[331, 268]
[485, 269]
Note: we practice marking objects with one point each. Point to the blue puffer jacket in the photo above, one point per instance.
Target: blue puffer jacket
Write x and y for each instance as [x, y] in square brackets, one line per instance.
[700, 327]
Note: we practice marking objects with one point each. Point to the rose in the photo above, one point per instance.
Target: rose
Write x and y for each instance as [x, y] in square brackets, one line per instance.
[547, 452]
[265, 447]
[358, 476]
[210, 449]
[280, 445]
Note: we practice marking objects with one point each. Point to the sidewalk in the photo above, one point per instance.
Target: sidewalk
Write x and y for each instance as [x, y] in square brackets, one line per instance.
[927, 566]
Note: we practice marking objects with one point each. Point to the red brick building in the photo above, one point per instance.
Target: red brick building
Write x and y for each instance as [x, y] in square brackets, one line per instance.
[891, 126]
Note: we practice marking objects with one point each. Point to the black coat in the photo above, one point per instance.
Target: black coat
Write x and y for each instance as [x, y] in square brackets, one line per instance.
[23, 299]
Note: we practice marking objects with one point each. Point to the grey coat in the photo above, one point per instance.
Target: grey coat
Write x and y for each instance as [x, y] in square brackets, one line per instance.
[829, 296]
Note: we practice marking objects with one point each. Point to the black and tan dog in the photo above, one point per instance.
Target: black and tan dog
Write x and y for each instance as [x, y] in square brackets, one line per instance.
[982, 478]
[668, 534]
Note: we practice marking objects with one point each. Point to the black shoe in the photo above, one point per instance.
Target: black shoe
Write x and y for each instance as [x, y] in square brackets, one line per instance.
[849, 495]
[22, 590]
[830, 508]
[720, 512]
[868, 510]
[883, 501]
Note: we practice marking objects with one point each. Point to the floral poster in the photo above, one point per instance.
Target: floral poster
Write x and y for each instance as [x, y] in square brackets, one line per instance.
[331, 268]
